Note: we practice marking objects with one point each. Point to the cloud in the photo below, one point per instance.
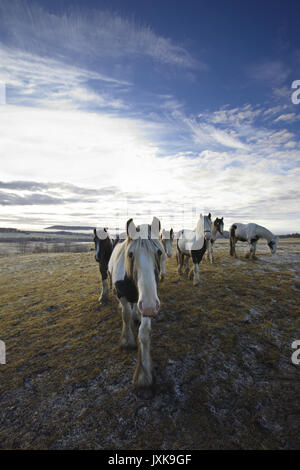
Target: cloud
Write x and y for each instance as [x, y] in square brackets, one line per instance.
[289, 117]
[273, 73]
[46, 82]
[106, 169]
[88, 34]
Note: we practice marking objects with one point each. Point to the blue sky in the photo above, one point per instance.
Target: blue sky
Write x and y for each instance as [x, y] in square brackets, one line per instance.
[170, 108]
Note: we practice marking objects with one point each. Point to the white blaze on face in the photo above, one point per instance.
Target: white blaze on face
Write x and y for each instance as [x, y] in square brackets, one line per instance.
[148, 302]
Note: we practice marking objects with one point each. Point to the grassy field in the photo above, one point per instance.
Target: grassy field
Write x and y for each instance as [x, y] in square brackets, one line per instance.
[221, 352]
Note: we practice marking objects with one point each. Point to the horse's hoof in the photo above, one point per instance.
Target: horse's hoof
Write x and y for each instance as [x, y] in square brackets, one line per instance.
[145, 393]
[128, 347]
[196, 283]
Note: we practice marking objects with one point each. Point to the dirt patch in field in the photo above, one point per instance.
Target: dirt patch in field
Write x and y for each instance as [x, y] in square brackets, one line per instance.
[221, 352]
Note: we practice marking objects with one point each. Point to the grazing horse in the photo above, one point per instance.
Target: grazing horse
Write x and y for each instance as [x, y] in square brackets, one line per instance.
[166, 238]
[104, 247]
[134, 268]
[193, 243]
[251, 233]
[216, 226]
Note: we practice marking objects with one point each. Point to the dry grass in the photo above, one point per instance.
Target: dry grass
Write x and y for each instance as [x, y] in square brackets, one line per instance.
[222, 356]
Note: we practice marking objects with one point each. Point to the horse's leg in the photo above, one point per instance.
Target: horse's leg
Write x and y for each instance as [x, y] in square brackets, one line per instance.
[212, 252]
[252, 250]
[232, 247]
[127, 340]
[187, 266]
[143, 374]
[209, 256]
[248, 255]
[162, 269]
[110, 280]
[196, 274]
[104, 294]
[136, 316]
[180, 258]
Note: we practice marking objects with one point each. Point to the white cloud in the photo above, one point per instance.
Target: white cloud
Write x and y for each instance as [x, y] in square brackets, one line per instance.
[289, 117]
[32, 79]
[272, 72]
[88, 34]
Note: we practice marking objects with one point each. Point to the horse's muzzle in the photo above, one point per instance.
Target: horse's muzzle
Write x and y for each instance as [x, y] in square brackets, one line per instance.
[150, 310]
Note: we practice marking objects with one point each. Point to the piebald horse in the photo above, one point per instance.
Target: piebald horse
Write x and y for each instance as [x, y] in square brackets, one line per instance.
[166, 238]
[217, 226]
[193, 243]
[251, 233]
[104, 247]
[134, 268]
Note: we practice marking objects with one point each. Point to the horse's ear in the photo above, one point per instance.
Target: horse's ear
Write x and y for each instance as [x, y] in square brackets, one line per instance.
[171, 234]
[155, 227]
[222, 219]
[127, 225]
[105, 230]
[209, 216]
[131, 229]
[95, 232]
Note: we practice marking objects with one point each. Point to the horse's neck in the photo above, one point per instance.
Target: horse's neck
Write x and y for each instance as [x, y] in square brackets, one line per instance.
[214, 231]
[108, 247]
[265, 233]
[199, 231]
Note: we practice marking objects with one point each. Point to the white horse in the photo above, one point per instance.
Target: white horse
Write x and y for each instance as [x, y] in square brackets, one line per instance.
[216, 226]
[193, 243]
[166, 238]
[251, 233]
[134, 268]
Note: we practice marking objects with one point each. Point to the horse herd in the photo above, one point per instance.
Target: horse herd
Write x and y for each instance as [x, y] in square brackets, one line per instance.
[135, 261]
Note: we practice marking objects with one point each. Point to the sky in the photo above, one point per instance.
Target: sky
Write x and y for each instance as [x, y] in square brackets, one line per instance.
[117, 109]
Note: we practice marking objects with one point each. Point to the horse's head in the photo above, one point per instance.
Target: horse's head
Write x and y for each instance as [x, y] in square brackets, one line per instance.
[167, 237]
[219, 225]
[206, 221]
[142, 263]
[273, 245]
[98, 240]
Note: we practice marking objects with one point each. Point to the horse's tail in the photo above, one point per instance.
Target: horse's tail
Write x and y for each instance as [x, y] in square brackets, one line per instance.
[232, 236]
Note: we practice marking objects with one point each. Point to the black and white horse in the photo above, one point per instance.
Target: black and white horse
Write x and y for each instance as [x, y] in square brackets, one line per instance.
[104, 248]
[217, 226]
[134, 268]
[251, 233]
[193, 243]
[166, 238]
